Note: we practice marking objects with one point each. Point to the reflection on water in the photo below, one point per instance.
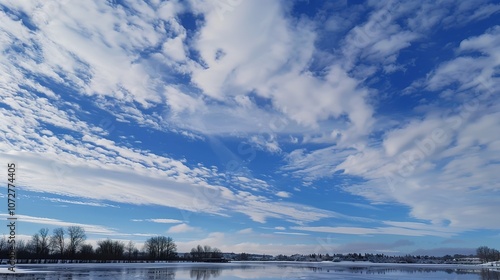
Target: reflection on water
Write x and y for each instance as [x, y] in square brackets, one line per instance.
[256, 271]
[168, 274]
[204, 274]
[422, 273]
[490, 275]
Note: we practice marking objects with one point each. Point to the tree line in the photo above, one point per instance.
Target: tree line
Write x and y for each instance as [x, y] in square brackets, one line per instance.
[63, 243]
[205, 253]
[70, 244]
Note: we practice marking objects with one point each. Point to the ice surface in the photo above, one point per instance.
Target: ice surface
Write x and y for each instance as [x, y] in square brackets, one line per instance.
[250, 270]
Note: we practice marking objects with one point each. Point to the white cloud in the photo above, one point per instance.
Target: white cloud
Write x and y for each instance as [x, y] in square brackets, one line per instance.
[99, 169]
[283, 194]
[273, 64]
[113, 181]
[379, 39]
[479, 69]
[451, 71]
[175, 49]
[270, 144]
[378, 230]
[94, 229]
[164, 221]
[291, 233]
[239, 29]
[269, 59]
[400, 139]
[361, 205]
[181, 228]
[245, 231]
[440, 163]
[317, 163]
[96, 204]
[391, 45]
[259, 211]
[96, 168]
[467, 11]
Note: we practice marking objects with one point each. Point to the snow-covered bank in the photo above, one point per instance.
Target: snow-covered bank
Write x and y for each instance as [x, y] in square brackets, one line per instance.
[492, 264]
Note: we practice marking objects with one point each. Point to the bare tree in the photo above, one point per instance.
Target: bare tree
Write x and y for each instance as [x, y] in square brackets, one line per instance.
[22, 249]
[487, 254]
[482, 253]
[109, 249]
[34, 244]
[170, 251]
[216, 253]
[161, 247]
[3, 245]
[44, 241]
[57, 241]
[130, 249]
[39, 244]
[76, 236]
[197, 253]
[205, 252]
[86, 251]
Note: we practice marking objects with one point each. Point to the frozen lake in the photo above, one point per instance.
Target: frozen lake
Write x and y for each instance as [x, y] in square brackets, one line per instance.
[250, 270]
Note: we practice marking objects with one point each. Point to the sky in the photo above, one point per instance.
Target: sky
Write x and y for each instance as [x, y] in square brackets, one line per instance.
[269, 127]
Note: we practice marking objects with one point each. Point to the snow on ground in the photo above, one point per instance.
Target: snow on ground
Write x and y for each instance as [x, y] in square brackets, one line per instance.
[5, 270]
[492, 264]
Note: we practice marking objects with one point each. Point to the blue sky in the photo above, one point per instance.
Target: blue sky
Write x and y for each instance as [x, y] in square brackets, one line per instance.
[256, 126]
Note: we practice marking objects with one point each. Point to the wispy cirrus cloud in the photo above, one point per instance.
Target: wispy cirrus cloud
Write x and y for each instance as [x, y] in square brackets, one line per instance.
[159, 221]
[94, 229]
[403, 231]
[291, 233]
[95, 204]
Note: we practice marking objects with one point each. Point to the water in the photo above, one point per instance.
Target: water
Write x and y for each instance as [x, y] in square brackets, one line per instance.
[249, 270]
